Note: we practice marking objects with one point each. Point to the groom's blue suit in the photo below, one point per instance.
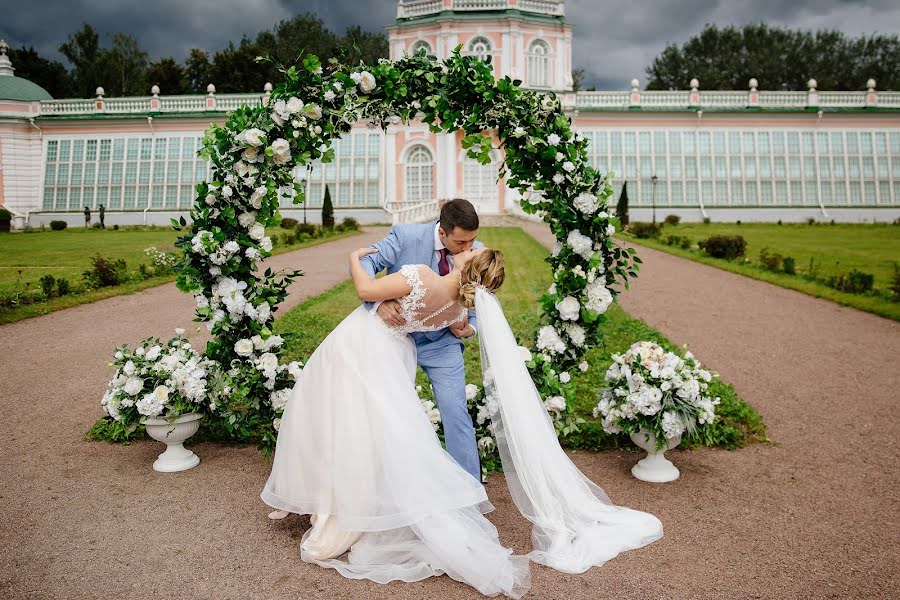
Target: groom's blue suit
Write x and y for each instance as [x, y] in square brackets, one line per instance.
[439, 353]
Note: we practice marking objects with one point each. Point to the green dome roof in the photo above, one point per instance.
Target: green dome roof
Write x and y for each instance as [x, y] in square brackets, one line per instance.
[16, 88]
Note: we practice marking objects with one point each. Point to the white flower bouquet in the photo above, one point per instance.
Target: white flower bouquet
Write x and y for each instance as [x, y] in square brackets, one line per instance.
[657, 392]
[158, 380]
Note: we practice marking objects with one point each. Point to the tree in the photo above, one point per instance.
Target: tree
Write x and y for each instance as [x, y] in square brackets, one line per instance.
[365, 46]
[327, 210]
[168, 75]
[198, 71]
[49, 74]
[303, 33]
[622, 206]
[130, 64]
[577, 79]
[780, 59]
[235, 69]
[82, 49]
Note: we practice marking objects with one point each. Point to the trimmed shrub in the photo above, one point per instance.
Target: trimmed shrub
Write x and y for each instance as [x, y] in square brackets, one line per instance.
[895, 284]
[789, 265]
[288, 223]
[105, 272]
[350, 224]
[63, 288]
[644, 230]
[810, 221]
[855, 282]
[48, 282]
[58, 225]
[769, 261]
[672, 220]
[685, 242]
[327, 210]
[707, 220]
[622, 205]
[307, 228]
[724, 246]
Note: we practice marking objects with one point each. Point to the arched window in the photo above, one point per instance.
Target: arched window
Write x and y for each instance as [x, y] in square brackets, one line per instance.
[421, 45]
[480, 47]
[480, 185]
[540, 73]
[419, 175]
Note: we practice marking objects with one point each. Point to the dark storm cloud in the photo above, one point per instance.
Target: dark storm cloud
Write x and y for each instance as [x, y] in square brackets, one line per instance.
[614, 41]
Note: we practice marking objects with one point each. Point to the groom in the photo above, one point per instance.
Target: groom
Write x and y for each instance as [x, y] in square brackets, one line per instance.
[439, 353]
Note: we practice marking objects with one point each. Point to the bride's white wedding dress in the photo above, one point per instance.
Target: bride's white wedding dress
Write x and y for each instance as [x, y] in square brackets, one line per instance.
[356, 451]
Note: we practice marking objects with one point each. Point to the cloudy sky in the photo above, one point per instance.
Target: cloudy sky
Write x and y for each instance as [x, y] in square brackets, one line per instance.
[614, 41]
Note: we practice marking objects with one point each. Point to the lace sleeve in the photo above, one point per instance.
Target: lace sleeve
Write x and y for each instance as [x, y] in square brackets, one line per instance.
[410, 303]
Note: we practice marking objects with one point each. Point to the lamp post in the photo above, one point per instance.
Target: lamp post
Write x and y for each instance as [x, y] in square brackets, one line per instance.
[654, 179]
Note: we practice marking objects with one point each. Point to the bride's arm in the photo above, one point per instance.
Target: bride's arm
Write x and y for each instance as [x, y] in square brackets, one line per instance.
[375, 290]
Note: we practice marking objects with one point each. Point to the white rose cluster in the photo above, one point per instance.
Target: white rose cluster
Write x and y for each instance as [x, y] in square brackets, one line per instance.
[598, 297]
[586, 203]
[647, 381]
[569, 308]
[152, 379]
[431, 411]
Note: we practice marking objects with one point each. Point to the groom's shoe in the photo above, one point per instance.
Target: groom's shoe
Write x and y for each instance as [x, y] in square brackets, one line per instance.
[277, 515]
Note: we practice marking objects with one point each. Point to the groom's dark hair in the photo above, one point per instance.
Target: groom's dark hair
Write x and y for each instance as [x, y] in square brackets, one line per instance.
[458, 212]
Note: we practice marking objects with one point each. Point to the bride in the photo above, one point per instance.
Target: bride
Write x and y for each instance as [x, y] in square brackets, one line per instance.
[356, 451]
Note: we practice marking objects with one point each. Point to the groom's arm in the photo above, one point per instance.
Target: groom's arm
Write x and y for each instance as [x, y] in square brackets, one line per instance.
[386, 257]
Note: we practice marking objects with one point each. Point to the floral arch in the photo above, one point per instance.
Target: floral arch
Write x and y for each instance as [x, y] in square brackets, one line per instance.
[255, 156]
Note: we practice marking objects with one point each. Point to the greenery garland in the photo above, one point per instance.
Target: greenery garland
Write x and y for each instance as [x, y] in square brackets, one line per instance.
[257, 155]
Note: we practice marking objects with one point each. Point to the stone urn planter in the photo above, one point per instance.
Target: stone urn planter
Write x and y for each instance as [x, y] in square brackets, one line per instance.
[655, 467]
[173, 434]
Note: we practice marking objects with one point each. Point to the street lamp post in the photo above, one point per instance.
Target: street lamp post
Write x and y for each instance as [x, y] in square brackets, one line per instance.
[654, 179]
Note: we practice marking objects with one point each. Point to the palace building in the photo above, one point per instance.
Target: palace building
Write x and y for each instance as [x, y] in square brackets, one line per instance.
[721, 154]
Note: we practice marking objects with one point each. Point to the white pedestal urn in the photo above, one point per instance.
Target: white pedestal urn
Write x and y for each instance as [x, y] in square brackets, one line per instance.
[655, 467]
[173, 434]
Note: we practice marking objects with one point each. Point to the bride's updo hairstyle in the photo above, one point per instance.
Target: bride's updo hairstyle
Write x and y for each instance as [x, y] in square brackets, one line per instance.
[485, 269]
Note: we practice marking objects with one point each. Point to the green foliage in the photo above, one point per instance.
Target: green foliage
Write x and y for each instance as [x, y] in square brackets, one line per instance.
[724, 246]
[307, 228]
[288, 223]
[789, 265]
[105, 272]
[725, 58]
[894, 286]
[770, 261]
[350, 224]
[48, 283]
[672, 220]
[854, 282]
[58, 225]
[5, 215]
[644, 230]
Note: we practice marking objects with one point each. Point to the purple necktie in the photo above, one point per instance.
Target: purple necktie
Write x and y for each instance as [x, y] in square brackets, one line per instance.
[443, 263]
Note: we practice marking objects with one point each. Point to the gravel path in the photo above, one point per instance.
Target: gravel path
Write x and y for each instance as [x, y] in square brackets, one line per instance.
[815, 516]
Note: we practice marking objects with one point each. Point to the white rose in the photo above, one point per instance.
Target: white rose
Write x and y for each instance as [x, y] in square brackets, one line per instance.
[119, 355]
[312, 111]
[133, 386]
[128, 369]
[367, 82]
[266, 244]
[153, 353]
[555, 403]
[268, 362]
[276, 423]
[584, 367]
[553, 139]
[257, 232]
[281, 149]
[293, 105]
[565, 377]
[558, 178]
[243, 347]
[251, 137]
[568, 166]
[179, 330]
[569, 308]
[329, 95]
[471, 391]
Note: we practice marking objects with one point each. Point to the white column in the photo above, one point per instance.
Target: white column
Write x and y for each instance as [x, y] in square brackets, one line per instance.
[390, 167]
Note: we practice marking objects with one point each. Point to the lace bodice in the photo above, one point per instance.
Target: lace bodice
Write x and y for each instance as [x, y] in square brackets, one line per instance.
[427, 306]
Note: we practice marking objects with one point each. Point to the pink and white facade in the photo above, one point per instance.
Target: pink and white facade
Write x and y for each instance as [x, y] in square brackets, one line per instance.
[727, 155]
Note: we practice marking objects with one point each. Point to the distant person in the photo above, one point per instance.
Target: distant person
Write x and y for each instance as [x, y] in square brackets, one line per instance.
[87, 217]
[102, 217]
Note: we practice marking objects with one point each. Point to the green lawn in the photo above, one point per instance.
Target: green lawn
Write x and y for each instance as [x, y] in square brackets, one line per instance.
[527, 277]
[833, 249]
[26, 257]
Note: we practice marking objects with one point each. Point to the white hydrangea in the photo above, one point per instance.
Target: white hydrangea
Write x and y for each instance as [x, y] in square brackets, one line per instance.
[568, 308]
[576, 334]
[586, 203]
[580, 244]
[549, 340]
[672, 425]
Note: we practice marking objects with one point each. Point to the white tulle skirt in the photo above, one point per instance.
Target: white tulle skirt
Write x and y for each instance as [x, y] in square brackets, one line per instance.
[356, 451]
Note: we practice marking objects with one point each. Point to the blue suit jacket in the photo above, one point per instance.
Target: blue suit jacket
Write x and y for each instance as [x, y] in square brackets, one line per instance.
[411, 244]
